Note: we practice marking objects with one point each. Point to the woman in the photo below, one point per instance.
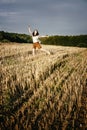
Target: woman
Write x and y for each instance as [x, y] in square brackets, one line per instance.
[36, 41]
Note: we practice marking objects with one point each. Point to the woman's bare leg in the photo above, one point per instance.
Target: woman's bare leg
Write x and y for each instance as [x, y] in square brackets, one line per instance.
[45, 51]
[33, 51]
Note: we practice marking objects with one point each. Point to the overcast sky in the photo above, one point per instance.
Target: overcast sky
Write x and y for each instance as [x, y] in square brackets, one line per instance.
[50, 17]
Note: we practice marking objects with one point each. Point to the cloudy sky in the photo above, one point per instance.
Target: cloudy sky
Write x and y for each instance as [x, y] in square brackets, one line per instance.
[50, 17]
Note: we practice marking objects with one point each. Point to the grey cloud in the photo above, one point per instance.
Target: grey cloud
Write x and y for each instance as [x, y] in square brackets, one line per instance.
[50, 16]
[7, 1]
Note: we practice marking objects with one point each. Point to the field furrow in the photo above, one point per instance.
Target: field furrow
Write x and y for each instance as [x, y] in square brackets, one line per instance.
[44, 91]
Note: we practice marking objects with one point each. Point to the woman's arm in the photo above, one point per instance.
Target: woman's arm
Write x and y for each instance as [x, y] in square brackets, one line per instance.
[29, 29]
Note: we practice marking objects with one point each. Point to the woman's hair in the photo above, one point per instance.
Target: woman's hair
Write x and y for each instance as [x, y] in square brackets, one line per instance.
[35, 32]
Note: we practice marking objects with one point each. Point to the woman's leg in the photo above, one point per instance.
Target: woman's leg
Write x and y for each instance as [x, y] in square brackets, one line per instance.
[45, 51]
[33, 51]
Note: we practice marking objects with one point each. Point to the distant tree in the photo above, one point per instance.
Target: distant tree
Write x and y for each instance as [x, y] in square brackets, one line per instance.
[14, 37]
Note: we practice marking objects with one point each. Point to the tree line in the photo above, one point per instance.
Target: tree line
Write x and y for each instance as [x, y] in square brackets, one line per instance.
[14, 37]
[79, 40]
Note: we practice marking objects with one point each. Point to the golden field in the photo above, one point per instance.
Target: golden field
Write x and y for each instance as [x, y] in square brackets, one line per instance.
[43, 92]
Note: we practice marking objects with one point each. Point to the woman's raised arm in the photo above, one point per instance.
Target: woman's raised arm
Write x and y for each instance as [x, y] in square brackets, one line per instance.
[29, 29]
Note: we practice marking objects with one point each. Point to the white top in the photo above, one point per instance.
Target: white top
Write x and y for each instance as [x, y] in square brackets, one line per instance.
[36, 39]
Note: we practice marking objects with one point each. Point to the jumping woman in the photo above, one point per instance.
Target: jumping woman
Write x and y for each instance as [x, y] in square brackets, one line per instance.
[36, 41]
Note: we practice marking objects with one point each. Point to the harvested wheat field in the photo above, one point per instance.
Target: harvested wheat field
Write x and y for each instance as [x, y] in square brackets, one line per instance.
[43, 92]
